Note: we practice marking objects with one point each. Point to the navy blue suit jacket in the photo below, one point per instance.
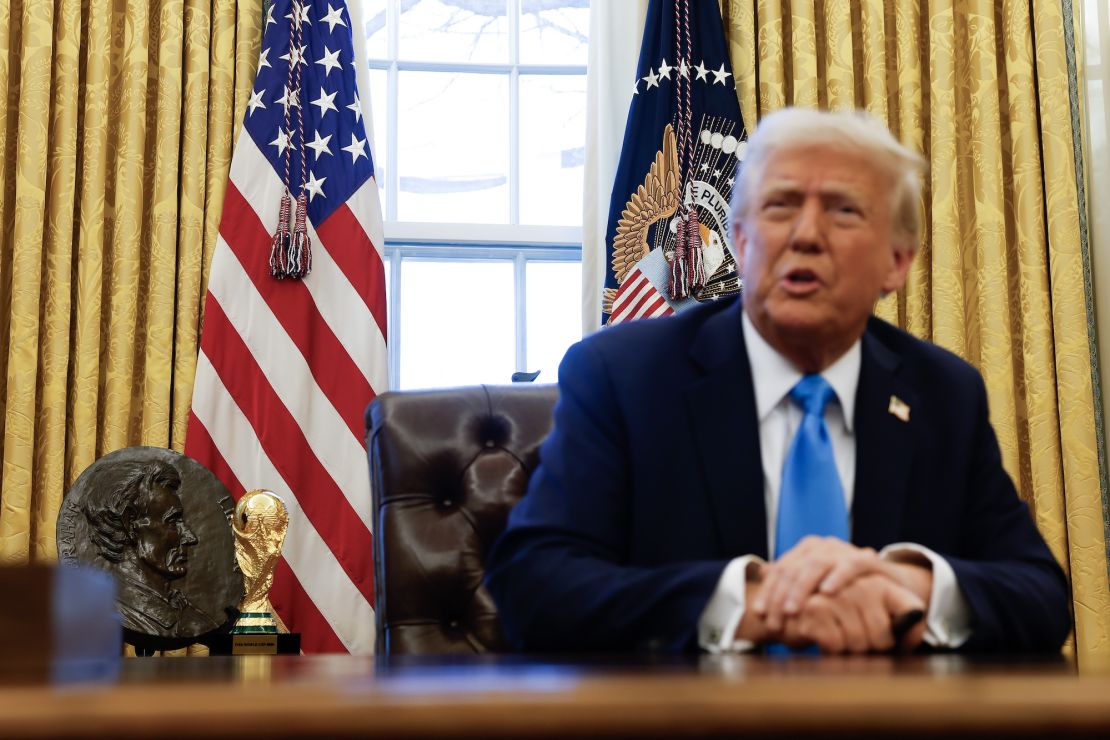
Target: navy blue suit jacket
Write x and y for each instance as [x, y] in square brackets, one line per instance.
[651, 481]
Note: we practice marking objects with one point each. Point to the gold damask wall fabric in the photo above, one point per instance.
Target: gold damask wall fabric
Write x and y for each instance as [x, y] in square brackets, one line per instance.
[116, 138]
[986, 90]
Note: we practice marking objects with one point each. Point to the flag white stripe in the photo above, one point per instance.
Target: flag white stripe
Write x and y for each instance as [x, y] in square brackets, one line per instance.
[632, 284]
[330, 439]
[349, 317]
[626, 296]
[340, 305]
[640, 288]
[316, 568]
[653, 308]
[256, 180]
[366, 206]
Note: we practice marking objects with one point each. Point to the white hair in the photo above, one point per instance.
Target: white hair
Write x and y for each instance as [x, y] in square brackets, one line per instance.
[855, 131]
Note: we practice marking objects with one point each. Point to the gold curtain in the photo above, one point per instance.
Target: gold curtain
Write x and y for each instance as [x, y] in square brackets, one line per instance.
[115, 137]
[981, 88]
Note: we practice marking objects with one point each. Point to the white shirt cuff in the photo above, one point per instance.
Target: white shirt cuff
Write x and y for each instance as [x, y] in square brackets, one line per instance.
[721, 616]
[948, 619]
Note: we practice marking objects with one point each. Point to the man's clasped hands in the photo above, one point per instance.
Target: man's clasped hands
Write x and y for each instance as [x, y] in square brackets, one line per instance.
[839, 597]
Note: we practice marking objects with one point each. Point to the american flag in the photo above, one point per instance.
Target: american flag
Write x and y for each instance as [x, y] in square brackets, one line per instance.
[286, 367]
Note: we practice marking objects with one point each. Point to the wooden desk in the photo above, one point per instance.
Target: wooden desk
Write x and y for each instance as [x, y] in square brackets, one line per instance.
[341, 696]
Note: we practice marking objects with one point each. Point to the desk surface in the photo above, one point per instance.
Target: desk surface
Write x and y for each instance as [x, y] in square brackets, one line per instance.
[513, 697]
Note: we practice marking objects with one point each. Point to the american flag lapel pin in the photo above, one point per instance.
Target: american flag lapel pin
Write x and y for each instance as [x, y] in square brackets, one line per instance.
[899, 408]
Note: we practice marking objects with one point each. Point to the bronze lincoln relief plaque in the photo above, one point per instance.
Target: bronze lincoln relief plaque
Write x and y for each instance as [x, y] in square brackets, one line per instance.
[160, 522]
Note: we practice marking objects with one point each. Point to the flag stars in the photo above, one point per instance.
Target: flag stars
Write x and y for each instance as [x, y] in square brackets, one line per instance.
[263, 58]
[270, 15]
[314, 187]
[720, 75]
[665, 69]
[295, 56]
[326, 102]
[334, 18]
[652, 80]
[255, 101]
[356, 107]
[636, 87]
[357, 148]
[329, 61]
[320, 145]
[701, 70]
[288, 99]
[683, 68]
[304, 14]
[281, 142]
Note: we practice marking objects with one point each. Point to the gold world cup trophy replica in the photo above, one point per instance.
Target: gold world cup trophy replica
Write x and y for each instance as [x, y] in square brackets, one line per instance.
[259, 524]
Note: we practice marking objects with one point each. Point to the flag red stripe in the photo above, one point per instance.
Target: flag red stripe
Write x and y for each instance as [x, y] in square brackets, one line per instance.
[350, 248]
[337, 375]
[288, 450]
[628, 292]
[295, 607]
[288, 598]
[200, 446]
[651, 310]
[648, 294]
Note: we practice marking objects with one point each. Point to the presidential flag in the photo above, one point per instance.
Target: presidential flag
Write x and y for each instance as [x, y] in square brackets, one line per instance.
[682, 146]
[294, 337]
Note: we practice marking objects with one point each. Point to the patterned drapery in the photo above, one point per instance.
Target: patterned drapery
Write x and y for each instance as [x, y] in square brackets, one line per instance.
[115, 139]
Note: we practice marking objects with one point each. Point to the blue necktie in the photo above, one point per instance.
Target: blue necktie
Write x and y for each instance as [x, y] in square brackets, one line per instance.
[811, 500]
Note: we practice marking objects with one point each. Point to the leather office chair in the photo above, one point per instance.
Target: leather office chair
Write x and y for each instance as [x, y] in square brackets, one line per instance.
[446, 466]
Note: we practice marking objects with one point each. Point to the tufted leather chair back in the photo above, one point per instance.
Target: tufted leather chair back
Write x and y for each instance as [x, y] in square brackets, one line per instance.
[446, 466]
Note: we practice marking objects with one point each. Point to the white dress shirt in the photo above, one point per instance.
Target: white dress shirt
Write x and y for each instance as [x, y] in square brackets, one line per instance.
[773, 376]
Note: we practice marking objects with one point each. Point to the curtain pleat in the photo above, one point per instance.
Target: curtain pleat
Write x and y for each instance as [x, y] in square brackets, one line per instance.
[56, 275]
[202, 85]
[981, 88]
[95, 107]
[116, 136]
[25, 183]
[1082, 532]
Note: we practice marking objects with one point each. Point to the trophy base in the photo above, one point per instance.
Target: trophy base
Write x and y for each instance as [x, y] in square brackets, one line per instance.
[285, 643]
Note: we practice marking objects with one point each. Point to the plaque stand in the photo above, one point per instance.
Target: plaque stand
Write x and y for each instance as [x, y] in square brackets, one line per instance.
[276, 643]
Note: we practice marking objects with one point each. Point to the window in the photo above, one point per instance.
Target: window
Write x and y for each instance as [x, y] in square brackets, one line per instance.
[479, 121]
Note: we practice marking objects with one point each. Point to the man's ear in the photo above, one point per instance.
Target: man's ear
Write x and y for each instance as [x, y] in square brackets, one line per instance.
[900, 262]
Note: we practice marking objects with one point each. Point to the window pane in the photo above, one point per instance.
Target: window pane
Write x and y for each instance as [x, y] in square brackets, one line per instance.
[554, 307]
[452, 139]
[554, 32]
[552, 146]
[454, 31]
[457, 323]
[375, 31]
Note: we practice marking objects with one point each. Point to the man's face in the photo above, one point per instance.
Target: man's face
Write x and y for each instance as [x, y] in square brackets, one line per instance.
[161, 537]
[815, 249]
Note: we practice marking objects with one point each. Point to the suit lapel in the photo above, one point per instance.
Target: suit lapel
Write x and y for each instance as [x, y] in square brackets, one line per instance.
[884, 447]
[724, 427]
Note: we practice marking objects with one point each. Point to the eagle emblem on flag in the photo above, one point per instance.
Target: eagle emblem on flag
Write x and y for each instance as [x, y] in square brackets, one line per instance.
[674, 180]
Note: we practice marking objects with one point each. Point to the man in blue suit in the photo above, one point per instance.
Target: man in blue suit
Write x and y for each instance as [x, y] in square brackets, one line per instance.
[786, 468]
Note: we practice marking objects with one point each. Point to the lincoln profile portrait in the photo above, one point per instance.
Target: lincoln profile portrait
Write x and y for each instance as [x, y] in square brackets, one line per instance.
[139, 528]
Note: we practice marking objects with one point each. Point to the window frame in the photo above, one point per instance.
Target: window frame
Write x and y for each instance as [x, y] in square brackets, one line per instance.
[440, 241]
